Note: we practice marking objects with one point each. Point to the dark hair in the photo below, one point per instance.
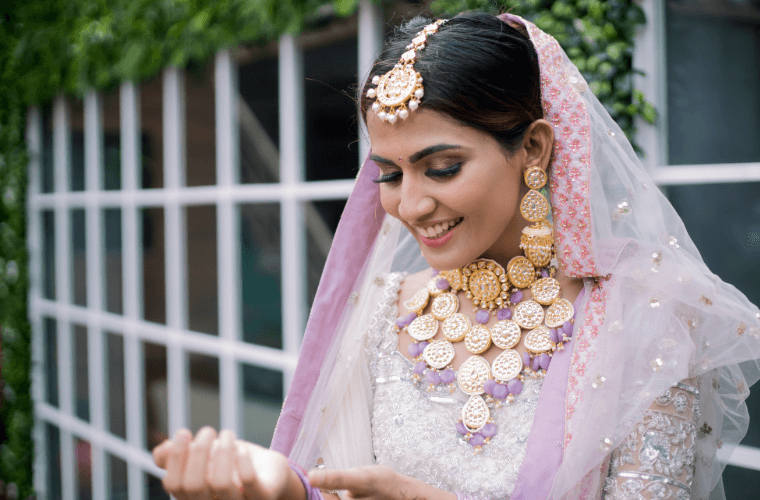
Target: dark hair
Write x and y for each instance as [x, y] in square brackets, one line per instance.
[476, 69]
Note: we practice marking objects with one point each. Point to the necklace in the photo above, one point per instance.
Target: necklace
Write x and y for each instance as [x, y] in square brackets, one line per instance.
[546, 317]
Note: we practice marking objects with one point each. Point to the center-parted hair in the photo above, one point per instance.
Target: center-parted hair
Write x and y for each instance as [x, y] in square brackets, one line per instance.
[477, 69]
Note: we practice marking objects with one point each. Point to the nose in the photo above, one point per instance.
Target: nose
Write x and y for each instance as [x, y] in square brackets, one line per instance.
[416, 202]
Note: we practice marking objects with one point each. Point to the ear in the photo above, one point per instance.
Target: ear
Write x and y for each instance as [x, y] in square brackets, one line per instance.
[537, 144]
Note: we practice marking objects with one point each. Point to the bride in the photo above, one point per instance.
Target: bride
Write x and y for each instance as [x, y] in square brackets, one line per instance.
[510, 308]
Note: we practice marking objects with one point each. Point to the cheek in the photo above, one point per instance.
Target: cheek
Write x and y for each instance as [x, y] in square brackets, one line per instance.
[389, 201]
[494, 203]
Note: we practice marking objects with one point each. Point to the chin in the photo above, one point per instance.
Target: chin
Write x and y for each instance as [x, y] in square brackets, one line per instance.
[445, 262]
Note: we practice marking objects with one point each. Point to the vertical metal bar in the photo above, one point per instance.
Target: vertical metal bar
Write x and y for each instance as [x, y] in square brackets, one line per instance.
[61, 148]
[33, 242]
[292, 167]
[176, 241]
[228, 251]
[649, 56]
[93, 144]
[370, 41]
[131, 251]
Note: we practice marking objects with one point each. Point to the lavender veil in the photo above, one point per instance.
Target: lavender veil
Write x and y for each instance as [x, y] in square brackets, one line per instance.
[653, 314]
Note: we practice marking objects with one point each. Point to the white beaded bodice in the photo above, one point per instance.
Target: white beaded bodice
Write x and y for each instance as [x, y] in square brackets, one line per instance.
[413, 430]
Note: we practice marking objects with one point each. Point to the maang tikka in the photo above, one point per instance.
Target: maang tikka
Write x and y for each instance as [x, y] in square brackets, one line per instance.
[400, 89]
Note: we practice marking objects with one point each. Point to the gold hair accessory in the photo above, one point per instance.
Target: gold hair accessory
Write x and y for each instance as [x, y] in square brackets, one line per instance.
[400, 89]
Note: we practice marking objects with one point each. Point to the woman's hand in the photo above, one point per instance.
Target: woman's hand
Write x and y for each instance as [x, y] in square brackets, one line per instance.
[211, 467]
[376, 482]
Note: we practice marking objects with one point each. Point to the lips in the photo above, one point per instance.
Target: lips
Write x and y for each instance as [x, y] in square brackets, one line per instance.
[437, 230]
[440, 234]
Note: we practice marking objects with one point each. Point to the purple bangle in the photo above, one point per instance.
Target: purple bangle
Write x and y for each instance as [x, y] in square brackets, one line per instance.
[312, 493]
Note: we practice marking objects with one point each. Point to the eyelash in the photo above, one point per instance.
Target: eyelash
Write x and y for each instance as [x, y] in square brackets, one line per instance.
[441, 173]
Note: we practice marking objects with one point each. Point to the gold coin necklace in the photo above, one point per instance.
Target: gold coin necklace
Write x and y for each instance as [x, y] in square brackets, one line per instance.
[489, 385]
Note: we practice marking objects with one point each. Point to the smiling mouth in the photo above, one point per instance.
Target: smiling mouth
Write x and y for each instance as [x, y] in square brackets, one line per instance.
[439, 230]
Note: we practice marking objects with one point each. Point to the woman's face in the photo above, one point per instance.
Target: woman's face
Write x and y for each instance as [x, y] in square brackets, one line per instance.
[452, 186]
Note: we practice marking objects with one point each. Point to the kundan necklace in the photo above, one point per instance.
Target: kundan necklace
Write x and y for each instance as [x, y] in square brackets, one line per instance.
[546, 317]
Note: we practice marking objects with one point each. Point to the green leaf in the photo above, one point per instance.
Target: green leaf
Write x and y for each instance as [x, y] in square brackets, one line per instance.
[649, 113]
[345, 7]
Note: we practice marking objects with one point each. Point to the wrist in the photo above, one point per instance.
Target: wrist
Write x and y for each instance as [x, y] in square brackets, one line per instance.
[297, 485]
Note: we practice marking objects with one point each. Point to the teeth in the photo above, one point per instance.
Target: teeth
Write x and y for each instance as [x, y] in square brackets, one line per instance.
[437, 231]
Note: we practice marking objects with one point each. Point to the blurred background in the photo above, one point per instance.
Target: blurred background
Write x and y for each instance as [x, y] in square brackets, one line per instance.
[178, 217]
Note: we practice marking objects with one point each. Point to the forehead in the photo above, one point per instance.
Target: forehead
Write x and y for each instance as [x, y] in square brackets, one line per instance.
[423, 128]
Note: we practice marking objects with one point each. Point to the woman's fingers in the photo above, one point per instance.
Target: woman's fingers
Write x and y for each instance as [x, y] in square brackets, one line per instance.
[356, 480]
[246, 471]
[194, 475]
[161, 453]
[212, 454]
[252, 488]
[175, 466]
[225, 465]
[373, 481]
[264, 473]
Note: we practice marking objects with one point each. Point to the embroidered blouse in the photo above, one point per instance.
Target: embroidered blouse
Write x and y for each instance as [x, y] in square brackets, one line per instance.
[414, 433]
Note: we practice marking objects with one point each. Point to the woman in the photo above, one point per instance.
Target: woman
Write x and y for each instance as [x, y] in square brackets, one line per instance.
[581, 350]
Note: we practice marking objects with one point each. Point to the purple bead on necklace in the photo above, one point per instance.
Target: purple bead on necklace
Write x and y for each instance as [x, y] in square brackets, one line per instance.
[488, 430]
[516, 297]
[433, 377]
[482, 316]
[504, 313]
[514, 386]
[477, 439]
[448, 376]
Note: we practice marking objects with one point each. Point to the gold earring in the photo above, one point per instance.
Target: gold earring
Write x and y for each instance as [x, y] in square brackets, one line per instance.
[537, 240]
[534, 207]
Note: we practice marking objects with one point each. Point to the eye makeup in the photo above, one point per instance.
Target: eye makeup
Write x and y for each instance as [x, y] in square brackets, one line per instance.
[436, 173]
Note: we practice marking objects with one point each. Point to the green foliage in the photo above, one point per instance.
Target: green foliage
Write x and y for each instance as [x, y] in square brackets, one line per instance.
[16, 410]
[597, 36]
[53, 46]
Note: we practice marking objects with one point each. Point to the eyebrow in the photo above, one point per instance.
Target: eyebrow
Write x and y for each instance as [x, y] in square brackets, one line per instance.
[418, 155]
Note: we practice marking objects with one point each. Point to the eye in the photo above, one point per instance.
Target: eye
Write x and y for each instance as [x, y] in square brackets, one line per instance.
[444, 172]
[389, 177]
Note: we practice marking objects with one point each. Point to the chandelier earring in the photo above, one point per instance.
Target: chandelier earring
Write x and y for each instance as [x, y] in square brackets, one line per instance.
[537, 240]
